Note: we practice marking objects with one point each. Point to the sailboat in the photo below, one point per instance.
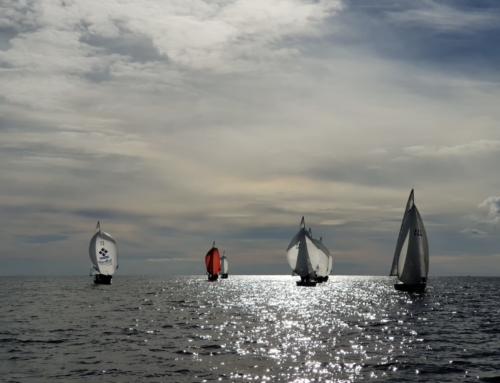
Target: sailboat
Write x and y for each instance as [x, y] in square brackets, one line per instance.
[302, 255]
[224, 266]
[325, 260]
[103, 256]
[411, 258]
[212, 261]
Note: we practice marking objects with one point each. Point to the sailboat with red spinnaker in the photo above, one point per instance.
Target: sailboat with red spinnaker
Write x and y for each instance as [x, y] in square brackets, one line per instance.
[212, 261]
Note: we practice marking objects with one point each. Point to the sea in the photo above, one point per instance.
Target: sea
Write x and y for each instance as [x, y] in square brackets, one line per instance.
[248, 329]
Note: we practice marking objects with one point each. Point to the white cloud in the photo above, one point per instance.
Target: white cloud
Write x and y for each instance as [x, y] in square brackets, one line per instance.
[333, 222]
[492, 205]
[222, 36]
[471, 232]
[468, 149]
[444, 18]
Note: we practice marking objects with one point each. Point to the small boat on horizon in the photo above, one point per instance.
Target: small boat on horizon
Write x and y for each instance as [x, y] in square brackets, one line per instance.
[411, 257]
[212, 262]
[302, 255]
[224, 266]
[103, 256]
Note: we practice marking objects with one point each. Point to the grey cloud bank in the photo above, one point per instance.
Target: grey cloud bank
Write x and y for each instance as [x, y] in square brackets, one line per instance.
[179, 123]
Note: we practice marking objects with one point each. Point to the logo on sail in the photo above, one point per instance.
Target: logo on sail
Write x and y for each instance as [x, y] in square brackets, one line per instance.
[417, 233]
[104, 253]
[105, 259]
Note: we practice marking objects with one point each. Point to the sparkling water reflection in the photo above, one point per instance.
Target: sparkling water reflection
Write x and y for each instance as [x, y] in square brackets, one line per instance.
[248, 328]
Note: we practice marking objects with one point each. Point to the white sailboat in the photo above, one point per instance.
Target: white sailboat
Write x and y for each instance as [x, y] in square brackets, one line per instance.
[103, 256]
[224, 265]
[302, 255]
[411, 258]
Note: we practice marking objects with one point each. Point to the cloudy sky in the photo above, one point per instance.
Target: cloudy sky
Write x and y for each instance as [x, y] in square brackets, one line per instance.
[176, 123]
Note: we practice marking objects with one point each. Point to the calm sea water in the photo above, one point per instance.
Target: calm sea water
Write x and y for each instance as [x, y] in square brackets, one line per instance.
[248, 328]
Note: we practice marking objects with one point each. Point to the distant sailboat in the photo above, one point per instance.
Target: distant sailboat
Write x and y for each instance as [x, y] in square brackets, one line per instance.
[103, 256]
[302, 255]
[411, 258]
[224, 266]
[325, 260]
[212, 261]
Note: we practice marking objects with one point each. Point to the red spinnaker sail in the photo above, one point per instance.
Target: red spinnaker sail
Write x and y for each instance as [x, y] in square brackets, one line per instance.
[212, 260]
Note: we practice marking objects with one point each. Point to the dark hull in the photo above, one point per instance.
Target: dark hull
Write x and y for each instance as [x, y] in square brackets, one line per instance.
[411, 288]
[223, 276]
[306, 283]
[322, 279]
[213, 278]
[102, 279]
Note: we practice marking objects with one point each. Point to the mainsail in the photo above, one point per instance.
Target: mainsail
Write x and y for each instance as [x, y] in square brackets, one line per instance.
[212, 260]
[103, 253]
[412, 249]
[302, 253]
[224, 265]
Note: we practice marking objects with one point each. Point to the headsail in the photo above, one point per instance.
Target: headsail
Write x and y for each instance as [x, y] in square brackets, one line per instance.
[103, 252]
[324, 258]
[409, 205]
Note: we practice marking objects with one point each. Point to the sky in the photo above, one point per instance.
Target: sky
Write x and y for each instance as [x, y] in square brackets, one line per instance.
[176, 123]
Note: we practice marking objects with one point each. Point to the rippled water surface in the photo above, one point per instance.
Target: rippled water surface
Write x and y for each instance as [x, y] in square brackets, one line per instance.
[248, 328]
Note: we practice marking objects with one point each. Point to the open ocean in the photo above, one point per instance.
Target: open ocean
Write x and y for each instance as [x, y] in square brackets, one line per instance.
[248, 329]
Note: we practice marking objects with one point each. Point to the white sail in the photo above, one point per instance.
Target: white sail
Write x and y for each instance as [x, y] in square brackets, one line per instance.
[324, 258]
[224, 265]
[302, 254]
[399, 243]
[412, 250]
[103, 252]
[330, 259]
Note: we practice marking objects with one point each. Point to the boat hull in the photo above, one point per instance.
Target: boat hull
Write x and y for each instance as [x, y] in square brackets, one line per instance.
[101, 279]
[213, 278]
[411, 288]
[223, 276]
[307, 283]
[322, 279]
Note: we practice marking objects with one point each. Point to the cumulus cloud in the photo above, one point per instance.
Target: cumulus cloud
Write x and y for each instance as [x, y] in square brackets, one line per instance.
[492, 205]
[220, 36]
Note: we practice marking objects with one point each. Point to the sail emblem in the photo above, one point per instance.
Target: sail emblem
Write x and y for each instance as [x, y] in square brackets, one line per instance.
[417, 233]
[103, 253]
